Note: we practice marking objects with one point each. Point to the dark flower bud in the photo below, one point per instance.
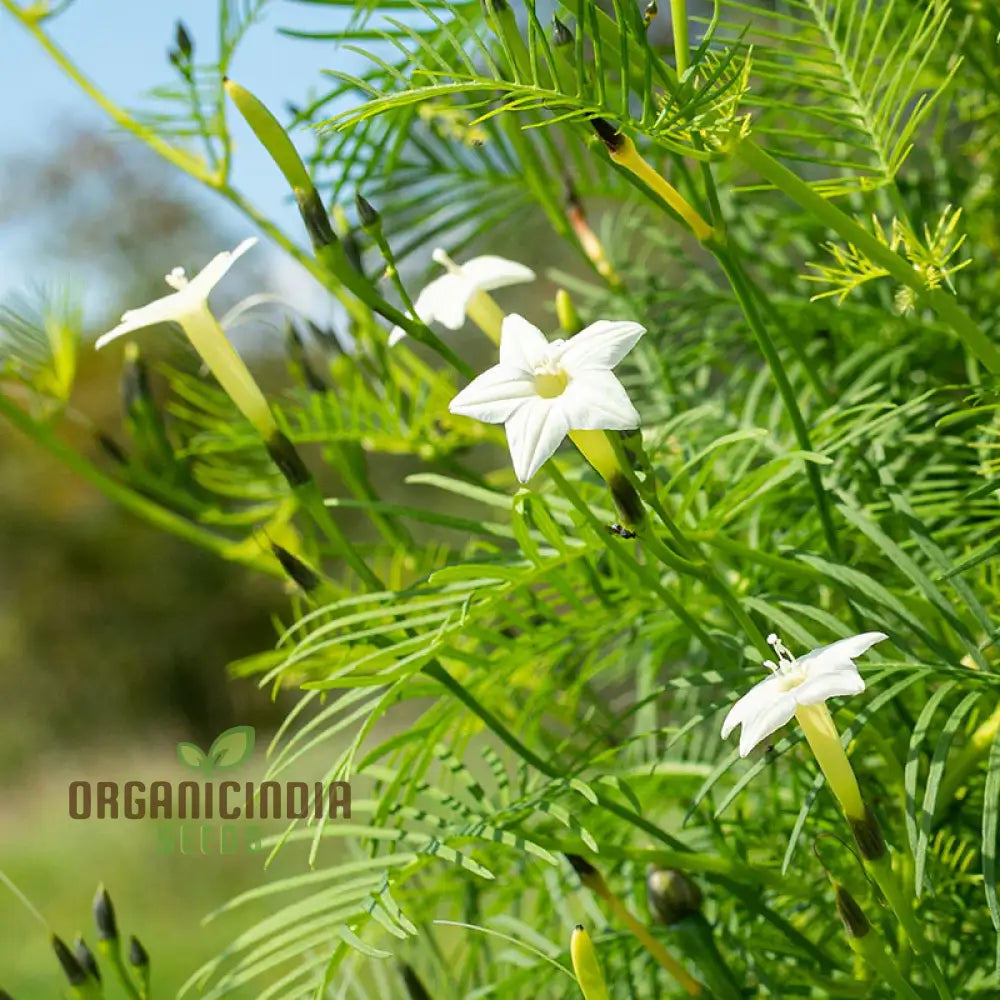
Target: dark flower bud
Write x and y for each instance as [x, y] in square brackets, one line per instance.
[184, 43]
[581, 866]
[607, 133]
[367, 214]
[104, 916]
[86, 959]
[415, 989]
[868, 836]
[561, 35]
[137, 955]
[671, 895]
[853, 917]
[302, 574]
[70, 966]
[286, 457]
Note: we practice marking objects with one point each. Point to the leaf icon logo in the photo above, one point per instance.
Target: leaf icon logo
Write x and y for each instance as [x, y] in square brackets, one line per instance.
[230, 749]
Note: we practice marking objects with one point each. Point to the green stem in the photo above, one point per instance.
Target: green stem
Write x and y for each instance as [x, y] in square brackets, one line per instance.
[741, 288]
[940, 301]
[899, 901]
[153, 513]
[679, 26]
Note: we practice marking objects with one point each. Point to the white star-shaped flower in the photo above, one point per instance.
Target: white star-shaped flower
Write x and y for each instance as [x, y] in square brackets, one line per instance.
[541, 390]
[189, 298]
[824, 673]
[446, 300]
[188, 307]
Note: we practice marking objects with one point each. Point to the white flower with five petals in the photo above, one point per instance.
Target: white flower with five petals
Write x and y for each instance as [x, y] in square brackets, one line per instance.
[827, 672]
[541, 390]
[187, 307]
[448, 299]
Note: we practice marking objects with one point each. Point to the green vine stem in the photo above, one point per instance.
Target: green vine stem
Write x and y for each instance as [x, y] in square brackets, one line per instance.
[941, 302]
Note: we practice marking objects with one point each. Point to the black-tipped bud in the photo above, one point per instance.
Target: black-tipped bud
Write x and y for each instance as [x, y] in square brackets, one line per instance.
[561, 35]
[868, 836]
[70, 966]
[285, 456]
[307, 578]
[315, 218]
[184, 43]
[855, 922]
[368, 216]
[104, 916]
[628, 504]
[415, 989]
[86, 959]
[581, 866]
[137, 955]
[671, 895]
[607, 133]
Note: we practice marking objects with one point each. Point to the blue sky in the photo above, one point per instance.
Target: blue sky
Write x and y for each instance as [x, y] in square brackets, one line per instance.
[121, 45]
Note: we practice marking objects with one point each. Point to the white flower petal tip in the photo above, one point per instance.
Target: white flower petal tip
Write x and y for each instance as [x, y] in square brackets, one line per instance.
[446, 299]
[541, 390]
[188, 296]
[826, 672]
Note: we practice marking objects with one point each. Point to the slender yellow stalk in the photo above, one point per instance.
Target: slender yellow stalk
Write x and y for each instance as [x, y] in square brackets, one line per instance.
[483, 310]
[824, 741]
[218, 353]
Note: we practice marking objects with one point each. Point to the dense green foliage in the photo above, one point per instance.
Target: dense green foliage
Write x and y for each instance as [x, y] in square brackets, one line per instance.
[511, 682]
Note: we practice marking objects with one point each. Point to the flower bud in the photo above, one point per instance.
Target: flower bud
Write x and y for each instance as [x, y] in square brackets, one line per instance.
[137, 955]
[586, 967]
[104, 916]
[589, 875]
[855, 922]
[868, 836]
[300, 573]
[367, 214]
[86, 959]
[561, 35]
[415, 989]
[569, 318]
[70, 966]
[671, 895]
[286, 457]
[184, 43]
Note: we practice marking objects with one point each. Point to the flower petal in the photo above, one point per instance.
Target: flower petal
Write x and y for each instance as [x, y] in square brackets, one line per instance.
[534, 431]
[522, 345]
[752, 703]
[444, 300]
[595, 400]
[489, 272]
[494, 396]
[769, 720]
[396, 334]
[169, 309]
[829, 685]
[213, 272]
[839, 654]
[601, 345]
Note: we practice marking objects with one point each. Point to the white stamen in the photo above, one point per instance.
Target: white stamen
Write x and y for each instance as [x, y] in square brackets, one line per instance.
[177, 279]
